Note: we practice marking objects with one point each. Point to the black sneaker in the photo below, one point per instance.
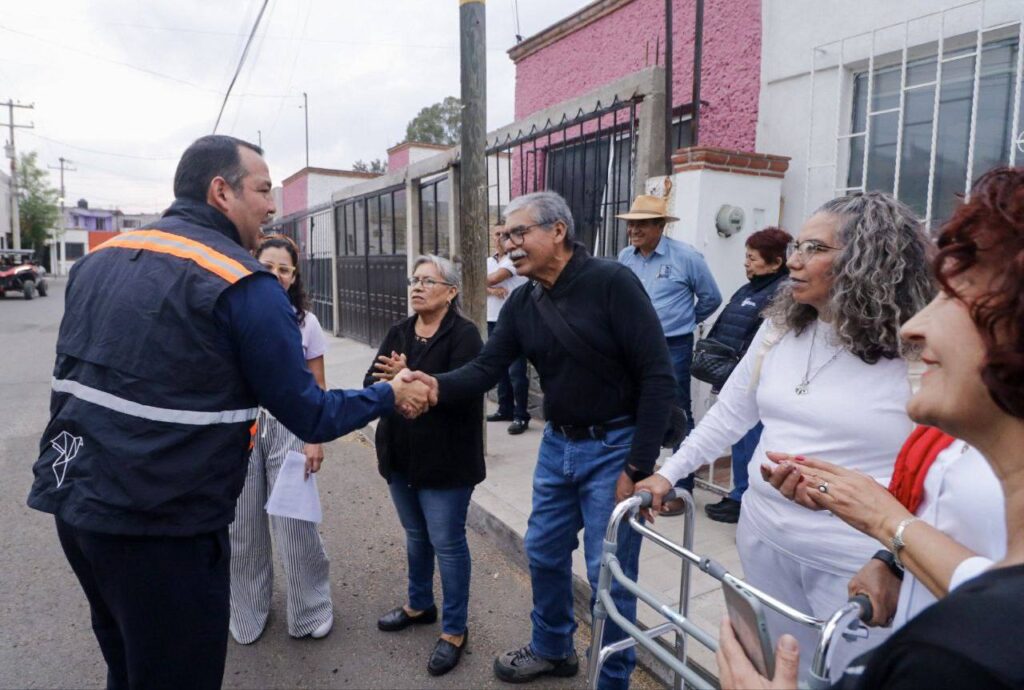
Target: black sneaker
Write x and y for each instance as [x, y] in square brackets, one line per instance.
[726, 510]
[522, 665]
[518, 426]
[499, 417]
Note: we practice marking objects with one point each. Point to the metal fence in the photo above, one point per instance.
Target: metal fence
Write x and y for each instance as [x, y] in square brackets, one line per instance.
[313, 232]
[588, 158]
[371, 264]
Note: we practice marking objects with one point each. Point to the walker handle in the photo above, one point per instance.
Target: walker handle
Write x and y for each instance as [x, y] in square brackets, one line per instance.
[646, 498]
[867, 610]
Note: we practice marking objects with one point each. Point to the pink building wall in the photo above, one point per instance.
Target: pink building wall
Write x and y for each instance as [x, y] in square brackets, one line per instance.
[615, 45]
[295, 195]
[398, 158]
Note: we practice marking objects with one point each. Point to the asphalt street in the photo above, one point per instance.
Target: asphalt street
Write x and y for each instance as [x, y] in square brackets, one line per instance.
[45, 637]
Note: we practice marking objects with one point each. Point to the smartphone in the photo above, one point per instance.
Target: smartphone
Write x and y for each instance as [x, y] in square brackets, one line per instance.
[746, 613]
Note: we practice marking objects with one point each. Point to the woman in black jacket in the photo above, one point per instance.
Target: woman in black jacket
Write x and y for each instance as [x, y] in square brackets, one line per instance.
[433, 462]
[765, 265]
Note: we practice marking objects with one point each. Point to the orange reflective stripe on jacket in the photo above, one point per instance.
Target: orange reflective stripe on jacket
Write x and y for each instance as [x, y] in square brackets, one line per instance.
[181, 247]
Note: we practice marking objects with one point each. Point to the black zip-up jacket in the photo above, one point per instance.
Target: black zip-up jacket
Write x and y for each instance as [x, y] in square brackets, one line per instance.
[444, 447]
[738, 323]
[605, 304]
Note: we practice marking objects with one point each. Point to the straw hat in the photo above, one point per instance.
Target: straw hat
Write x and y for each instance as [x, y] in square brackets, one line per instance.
[647, 207]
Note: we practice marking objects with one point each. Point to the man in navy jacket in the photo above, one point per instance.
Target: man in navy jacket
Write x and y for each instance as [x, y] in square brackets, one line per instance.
[172, 337]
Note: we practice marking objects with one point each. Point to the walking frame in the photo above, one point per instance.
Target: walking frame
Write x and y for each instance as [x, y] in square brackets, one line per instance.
[845, 622]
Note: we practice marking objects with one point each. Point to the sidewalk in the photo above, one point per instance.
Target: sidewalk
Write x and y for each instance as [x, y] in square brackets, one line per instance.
[501, 506]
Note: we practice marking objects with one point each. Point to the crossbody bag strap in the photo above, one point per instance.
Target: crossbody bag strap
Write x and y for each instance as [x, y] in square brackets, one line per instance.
[607, 368]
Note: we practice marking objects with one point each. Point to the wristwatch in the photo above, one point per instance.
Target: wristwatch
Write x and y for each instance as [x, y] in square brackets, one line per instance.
[890, 561]
[897, 543]
[636, 475]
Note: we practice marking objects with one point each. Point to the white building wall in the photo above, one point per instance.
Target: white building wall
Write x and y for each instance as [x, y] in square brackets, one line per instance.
[419, 153]
[322, 186]
[792, 29]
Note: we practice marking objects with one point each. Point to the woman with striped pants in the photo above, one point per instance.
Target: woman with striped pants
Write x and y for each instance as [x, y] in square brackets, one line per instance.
[310, 611]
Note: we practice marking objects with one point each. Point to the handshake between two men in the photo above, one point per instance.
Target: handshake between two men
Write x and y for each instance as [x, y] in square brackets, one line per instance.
[415, 391]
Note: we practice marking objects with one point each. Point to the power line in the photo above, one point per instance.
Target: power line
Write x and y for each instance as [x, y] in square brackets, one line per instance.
[515, 14]
[102, 153]
[105, 59]
[241, 62]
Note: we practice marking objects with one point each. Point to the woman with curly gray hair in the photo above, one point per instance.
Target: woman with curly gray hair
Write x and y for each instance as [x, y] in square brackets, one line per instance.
[827, 376]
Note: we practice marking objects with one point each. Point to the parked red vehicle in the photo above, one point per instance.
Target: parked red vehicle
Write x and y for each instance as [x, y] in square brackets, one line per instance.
[18, 273]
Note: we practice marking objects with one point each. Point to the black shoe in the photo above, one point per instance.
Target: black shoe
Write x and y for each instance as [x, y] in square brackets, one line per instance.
[726, 510]
[446, 656]
[518, 426]
[499, 417]
[522, 666]
[398, 619]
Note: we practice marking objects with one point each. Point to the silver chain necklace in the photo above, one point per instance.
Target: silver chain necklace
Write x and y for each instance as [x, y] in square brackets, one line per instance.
[805, 384]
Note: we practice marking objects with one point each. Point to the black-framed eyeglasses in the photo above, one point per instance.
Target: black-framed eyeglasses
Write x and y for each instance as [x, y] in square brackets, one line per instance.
[425, 282]
[808, 248]
[517, 234]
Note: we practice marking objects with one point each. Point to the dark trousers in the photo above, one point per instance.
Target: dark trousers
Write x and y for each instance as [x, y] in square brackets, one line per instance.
[513, 387]
[680, 350]
[160, 605]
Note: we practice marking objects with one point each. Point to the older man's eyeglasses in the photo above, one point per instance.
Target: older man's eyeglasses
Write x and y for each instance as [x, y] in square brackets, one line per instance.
[426, 282]
[808, 249]
[517, 234]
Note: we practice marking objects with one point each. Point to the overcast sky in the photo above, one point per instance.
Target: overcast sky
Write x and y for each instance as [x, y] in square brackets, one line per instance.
[121, 87]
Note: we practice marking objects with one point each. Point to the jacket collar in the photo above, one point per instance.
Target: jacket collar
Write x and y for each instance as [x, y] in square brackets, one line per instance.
[761, 282]
[447, 323]
[205, 216]
[580, 256]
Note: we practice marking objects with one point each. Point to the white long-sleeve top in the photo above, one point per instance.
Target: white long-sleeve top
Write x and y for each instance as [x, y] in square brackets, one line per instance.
[963, 499]
[853, 415]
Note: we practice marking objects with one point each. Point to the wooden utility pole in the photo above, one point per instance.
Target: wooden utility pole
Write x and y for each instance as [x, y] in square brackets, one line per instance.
[473, 245]
[12, 153]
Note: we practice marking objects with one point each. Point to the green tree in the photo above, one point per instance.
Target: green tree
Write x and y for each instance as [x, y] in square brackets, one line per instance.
[375, 166]
[37, 203]
[437, 124]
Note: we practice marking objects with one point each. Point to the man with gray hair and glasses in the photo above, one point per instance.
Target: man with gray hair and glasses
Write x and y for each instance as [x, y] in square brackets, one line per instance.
[586, 325]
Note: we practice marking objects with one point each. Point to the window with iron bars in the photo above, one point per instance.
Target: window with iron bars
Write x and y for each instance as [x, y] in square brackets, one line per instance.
[907, 147]
[594, 175]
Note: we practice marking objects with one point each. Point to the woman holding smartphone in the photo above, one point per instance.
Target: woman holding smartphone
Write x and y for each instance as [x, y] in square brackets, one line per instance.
[972, 340]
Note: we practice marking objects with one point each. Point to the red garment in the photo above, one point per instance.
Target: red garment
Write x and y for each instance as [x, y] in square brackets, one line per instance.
[917, 455]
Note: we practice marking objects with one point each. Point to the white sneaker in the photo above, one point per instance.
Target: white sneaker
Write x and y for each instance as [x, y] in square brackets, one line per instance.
[324, 629]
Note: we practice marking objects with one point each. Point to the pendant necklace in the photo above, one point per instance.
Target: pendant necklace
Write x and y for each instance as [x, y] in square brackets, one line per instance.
[805, 384]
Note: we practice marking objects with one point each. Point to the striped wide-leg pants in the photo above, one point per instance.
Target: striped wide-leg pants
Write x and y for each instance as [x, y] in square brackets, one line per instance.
[297, 541]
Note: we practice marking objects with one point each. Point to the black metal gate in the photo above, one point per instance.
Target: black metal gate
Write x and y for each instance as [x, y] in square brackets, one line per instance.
[371, 264]
[588, 158]
[313, 231]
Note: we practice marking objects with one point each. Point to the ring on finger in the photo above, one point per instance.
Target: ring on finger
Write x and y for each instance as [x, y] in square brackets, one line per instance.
[823, 487]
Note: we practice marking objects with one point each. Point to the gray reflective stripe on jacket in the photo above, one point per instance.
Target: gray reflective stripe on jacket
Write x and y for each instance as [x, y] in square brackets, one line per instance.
[156, 414]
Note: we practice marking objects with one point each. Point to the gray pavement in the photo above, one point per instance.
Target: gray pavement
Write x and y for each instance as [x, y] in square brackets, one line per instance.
[45, 637]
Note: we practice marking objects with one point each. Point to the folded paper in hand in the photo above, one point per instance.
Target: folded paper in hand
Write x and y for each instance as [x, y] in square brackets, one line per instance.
[294, 496]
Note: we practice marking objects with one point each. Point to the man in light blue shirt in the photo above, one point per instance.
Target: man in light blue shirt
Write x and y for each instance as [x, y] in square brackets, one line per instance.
[680, 286]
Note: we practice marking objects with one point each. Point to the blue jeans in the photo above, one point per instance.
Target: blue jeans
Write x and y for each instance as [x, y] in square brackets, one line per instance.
[513, 387]
[573, 488]
[742, 451]
[435, 523]
[680, 350]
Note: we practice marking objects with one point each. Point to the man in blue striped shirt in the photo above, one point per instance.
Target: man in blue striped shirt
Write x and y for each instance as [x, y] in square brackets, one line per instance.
[681, 287]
